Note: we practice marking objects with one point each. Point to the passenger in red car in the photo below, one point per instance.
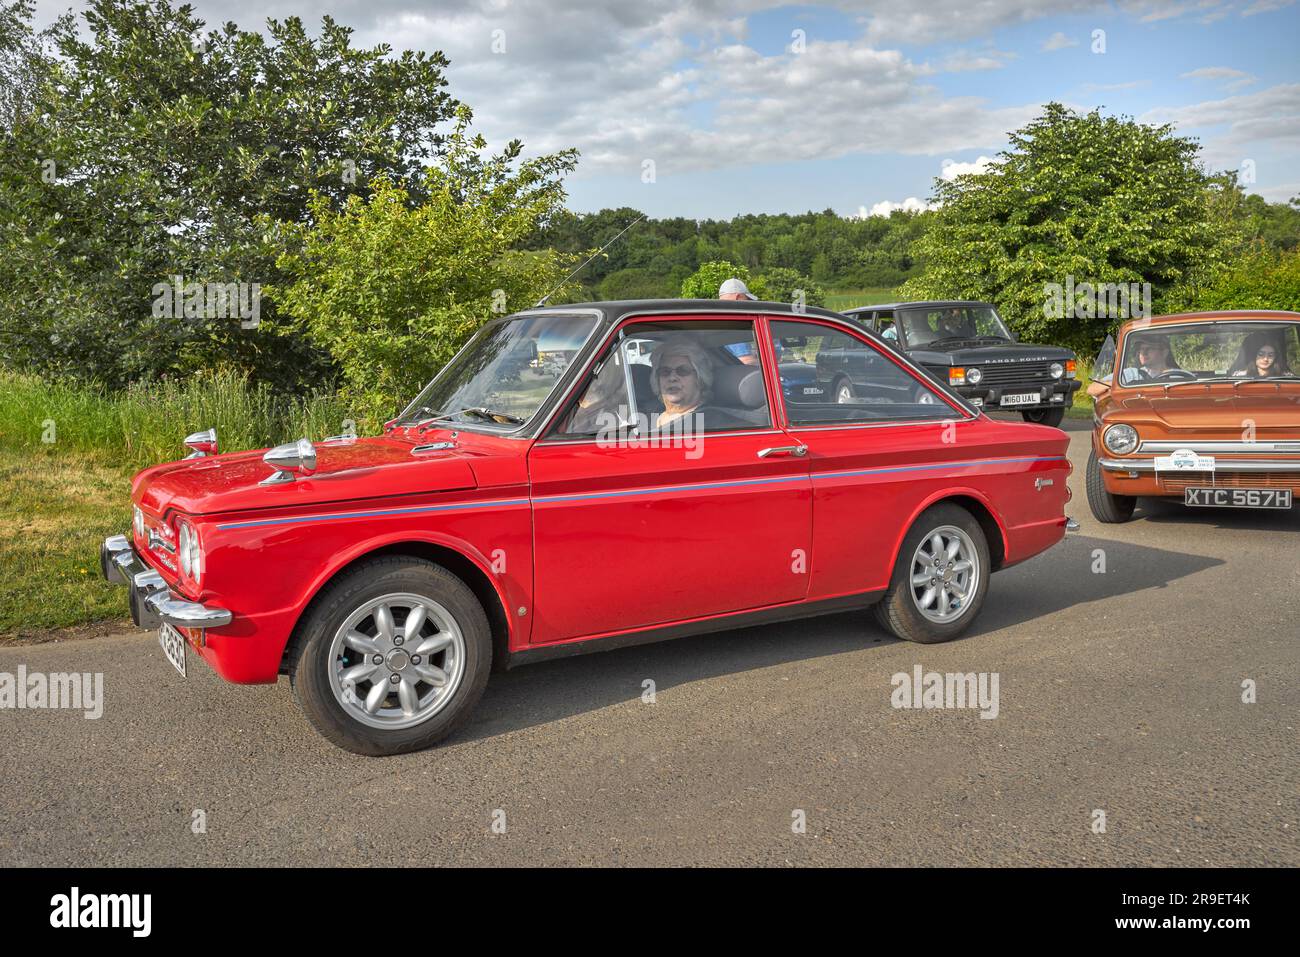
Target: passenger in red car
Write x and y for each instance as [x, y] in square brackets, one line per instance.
[683, 379]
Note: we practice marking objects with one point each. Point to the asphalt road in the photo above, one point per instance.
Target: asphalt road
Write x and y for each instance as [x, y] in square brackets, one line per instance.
[1118, 691]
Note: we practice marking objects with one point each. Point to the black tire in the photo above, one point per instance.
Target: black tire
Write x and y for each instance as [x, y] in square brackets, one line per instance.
[1052, 417]
[898, 611]
[309, 663]
[1107, 508]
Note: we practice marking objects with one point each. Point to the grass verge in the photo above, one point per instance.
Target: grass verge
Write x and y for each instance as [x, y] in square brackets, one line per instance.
[54, 512]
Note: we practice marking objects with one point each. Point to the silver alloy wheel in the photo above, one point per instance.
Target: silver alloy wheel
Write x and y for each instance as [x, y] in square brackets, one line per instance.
[945, 574]
[396, 661]
[844, 394]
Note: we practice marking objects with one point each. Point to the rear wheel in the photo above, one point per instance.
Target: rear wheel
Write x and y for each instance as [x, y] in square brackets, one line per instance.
[1050, 417]
[940, 578]
[843, 390]
[393, 657]
[1108, 508]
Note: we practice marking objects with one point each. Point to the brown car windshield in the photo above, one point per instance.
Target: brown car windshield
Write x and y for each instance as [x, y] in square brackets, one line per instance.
[1211, 350]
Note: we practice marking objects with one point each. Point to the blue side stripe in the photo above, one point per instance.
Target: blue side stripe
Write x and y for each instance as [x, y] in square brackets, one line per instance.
[622, 493]
[413, 510]
[940, 465]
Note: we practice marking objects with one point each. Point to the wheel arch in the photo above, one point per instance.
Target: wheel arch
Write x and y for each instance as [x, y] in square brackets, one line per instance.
[469, 567]
[974, 502]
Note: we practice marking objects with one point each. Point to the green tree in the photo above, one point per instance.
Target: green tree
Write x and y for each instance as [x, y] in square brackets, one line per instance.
[705, 281]
[393, 290]
[25, 59]
[786, 285]
[1264, 277]
[150, 153]
[1099, 199]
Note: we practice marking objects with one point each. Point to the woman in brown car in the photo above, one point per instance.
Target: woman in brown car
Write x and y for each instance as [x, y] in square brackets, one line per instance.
[1260, 358]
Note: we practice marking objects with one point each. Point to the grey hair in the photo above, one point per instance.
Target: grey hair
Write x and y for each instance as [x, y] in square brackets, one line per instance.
[699, 359]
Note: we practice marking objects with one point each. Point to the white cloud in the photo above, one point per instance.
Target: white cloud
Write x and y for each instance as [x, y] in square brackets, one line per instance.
[1058, 41]
[950, 169]
[1245, 125]
[885, 207]
[1236, 79]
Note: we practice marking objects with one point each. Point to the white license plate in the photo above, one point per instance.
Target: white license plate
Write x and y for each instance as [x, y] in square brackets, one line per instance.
[1022, 398]
[173, 646]
[1238, 497]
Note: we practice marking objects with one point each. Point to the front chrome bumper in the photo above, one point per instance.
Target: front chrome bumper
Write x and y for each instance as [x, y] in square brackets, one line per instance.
[1220, 465]
[150, 598]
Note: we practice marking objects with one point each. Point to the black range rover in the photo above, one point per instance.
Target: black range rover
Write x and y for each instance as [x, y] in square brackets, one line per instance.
[967, 346]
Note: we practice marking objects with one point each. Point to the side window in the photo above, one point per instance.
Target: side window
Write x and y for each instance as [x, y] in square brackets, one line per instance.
[672, 376]
[885, 325]
[829, 376]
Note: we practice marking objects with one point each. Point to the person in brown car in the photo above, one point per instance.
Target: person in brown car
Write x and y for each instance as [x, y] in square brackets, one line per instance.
[1260, 358]
[1153, 357]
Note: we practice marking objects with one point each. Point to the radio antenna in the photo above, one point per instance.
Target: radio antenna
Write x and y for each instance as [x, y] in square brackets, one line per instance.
[541, 302]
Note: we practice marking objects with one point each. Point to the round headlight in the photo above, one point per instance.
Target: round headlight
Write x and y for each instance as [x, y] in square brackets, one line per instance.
[973, 376]
[1056, 369]
[1120, 439]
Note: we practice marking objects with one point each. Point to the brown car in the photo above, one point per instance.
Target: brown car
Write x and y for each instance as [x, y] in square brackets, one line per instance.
[1202, 407]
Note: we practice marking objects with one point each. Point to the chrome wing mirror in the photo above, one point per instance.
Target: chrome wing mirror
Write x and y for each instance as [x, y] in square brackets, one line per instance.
[203, 443]
[290, 461]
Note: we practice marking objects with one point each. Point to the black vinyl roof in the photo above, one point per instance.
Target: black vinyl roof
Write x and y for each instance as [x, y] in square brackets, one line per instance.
[928, 303]
[615, 310]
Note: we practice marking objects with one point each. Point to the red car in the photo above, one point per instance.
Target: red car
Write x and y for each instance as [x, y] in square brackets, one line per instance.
[583, 477]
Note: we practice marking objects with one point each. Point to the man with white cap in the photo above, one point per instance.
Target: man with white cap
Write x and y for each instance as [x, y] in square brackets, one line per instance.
[735, 289]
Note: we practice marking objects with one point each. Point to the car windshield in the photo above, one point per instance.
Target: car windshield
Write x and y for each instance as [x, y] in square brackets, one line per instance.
[506, 371]
[1211, 350]
[925, 325]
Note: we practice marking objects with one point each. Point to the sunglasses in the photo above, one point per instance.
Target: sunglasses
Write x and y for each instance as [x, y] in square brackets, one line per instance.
[681, 371]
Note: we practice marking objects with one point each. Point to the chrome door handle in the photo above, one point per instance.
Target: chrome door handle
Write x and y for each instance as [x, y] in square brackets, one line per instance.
[799, 450]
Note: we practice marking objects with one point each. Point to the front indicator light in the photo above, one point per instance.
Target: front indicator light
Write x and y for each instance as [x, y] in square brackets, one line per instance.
[1071, 369]
[956, 376]
[1120, 439]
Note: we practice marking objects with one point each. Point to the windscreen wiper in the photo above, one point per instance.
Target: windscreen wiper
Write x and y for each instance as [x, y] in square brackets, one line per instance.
[498, 417]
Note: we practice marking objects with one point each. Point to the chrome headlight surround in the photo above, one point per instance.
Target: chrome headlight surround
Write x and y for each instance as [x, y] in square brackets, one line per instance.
[137, 521]
[188, 553]
[1120, 439]
[1056, 369]
[973, 376]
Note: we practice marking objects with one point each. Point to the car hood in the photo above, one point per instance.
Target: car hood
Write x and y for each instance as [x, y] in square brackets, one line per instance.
[347, 469]
[1005, 353]
[1219, 407]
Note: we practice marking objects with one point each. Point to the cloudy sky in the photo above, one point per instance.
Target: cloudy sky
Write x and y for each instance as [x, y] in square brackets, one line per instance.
[746, 106]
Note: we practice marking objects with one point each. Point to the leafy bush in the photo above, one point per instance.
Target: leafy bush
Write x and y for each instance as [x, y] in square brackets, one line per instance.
[1263, 278]
[392, 290]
